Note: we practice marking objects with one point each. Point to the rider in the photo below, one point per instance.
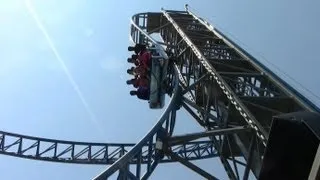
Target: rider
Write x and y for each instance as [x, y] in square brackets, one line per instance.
[142, 60]
[130, 71]
[137, 48]
[138, 71]
[145, 59]
[138, 82]
[141, 93]
[133, 61]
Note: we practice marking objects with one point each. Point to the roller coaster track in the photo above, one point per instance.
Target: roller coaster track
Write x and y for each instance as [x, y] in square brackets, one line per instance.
[143, 152]
[200, 48]
[226, 90]
[101, 153]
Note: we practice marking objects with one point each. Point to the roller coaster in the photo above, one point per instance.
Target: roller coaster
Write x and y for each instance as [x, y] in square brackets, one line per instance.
[227, 91]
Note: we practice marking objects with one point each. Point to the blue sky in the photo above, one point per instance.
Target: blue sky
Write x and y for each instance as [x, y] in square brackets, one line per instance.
[91, 37]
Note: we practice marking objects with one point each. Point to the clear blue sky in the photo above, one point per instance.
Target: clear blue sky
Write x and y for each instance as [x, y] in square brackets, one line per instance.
[91, 37]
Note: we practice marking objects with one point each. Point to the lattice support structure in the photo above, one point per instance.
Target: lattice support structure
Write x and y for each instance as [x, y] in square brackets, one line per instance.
[231, 89]
[91, 153]
[223, 87]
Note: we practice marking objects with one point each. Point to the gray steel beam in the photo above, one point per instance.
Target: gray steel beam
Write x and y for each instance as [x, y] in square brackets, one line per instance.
[240, 74]
[232, 65]
[192, 104]
[191, 166]
[159, 28]
[194, 115]
[250, 158]
[263, 107]
[256, 160]
[278, 104]
[149, 171]
[252, 87]
[190, 137]
[315, 169]
[232, 156]
[190, 87]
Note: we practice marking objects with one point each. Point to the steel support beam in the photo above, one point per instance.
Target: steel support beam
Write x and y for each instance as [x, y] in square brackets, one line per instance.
[159, 28]
[190, 137]
[193, 114]
[315, 169]
[194, 105]
[192, 86]
[250, 158]
[191, 166]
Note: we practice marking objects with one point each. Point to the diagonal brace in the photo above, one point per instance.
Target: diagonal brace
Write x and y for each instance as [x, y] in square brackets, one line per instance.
[195, 83]
[191, 166]
[159, 28]
[194, 105]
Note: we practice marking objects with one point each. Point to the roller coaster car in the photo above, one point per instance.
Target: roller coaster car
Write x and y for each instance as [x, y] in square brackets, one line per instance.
[158, 76]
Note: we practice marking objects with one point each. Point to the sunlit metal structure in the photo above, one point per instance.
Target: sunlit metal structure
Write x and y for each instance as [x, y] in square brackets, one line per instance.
[227, 91]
